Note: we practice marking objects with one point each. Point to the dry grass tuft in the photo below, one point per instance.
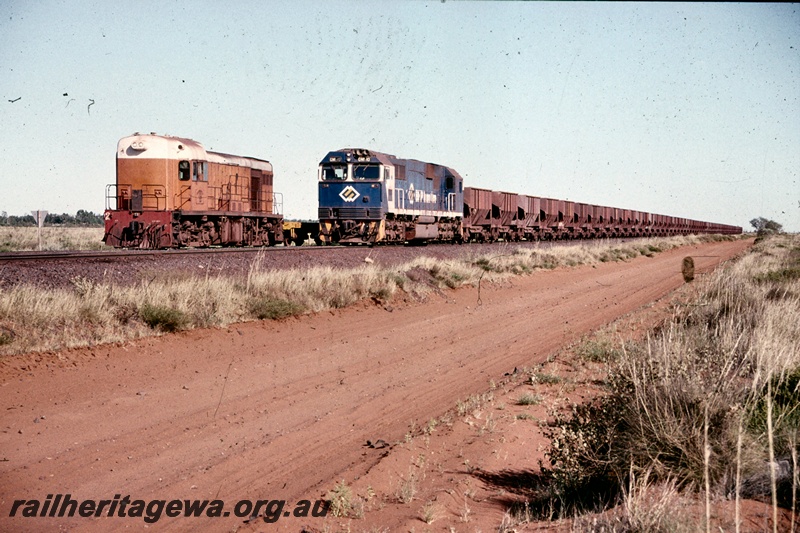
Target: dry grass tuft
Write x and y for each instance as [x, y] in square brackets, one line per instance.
[341, 500]
[645, 508]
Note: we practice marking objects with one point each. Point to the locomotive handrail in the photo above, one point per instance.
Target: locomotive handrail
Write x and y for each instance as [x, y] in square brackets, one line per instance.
[114, 197]
[179, 201]
[120, 195]
[157, 196]
[226, 195]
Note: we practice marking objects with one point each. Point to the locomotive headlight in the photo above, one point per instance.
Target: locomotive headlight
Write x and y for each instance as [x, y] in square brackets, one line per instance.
[139, 145]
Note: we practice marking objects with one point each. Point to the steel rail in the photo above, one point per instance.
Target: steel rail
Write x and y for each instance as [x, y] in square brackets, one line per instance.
[10, 257]
[57, 255]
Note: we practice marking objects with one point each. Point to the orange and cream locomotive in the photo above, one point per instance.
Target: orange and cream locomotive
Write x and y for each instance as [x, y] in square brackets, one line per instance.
[171, 192]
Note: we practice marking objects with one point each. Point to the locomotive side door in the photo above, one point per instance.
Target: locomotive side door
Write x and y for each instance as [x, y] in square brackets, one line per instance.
[255, 190]
[200, 200]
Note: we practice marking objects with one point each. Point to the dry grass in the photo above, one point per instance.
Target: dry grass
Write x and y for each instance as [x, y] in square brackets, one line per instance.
[341, 500]
[407, 488]
[517, 260]
[646, 508]
[15, 239]
[702, 407]
[320, 288]
[429, 512]
[33, 319]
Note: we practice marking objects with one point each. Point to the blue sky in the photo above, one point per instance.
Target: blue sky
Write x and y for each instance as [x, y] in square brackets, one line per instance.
[689, 110]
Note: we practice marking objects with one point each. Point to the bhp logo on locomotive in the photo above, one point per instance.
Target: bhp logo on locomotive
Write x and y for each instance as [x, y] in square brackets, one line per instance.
[349, 194]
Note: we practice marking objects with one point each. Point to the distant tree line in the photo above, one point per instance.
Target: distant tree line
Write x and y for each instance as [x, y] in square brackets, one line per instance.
[81, 218]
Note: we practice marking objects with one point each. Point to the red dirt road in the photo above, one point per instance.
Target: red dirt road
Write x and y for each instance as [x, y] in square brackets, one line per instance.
[281, 410]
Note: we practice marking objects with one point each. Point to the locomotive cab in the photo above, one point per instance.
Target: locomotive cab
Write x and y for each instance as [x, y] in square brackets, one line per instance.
[351, 200]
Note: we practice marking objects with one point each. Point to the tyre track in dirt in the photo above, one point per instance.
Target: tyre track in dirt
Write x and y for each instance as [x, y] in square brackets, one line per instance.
[281, 410]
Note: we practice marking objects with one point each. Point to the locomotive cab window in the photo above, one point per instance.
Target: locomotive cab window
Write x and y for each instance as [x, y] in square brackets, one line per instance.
[366, 172]
[334, 172]
[199, 173]
[183, 170]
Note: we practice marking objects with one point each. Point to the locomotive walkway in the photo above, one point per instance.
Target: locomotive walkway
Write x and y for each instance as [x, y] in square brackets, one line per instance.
[273, 410]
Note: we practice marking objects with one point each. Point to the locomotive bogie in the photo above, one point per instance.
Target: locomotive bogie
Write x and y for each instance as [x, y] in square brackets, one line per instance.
[394, 229]
[146, 229]
[171, 229]
[198, 230]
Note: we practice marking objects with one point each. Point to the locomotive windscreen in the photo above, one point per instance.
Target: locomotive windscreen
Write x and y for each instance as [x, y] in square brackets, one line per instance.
[366, 172]
[334, 172]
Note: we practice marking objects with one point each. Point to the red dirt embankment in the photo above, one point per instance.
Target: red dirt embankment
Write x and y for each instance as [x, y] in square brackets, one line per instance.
[282, 410]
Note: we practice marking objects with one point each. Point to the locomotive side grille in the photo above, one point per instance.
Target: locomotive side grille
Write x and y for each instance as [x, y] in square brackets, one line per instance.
[353, 212]
[358, 213]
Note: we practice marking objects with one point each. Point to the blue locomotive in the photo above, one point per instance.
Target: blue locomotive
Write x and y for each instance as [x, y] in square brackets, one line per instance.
[369, 197]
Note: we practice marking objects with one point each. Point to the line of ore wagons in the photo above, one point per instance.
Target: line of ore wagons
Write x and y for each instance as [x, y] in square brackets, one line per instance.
[491, 215]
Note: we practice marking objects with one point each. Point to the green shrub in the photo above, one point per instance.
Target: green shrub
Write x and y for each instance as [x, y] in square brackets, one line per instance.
[597, 351]
[163, 318]
[545, 379]
[783, 275]
[785, 410]
[341, 498]
[274, 308]
[583, 472]
[483, 264]
[529, 399]
[6, 337]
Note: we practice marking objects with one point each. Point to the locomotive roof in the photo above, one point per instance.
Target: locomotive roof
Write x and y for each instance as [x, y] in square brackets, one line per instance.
[152, 146]
[389, 159]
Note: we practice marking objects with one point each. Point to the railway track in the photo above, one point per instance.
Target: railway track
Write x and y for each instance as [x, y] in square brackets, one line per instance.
[10, 257]
[13, 257]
